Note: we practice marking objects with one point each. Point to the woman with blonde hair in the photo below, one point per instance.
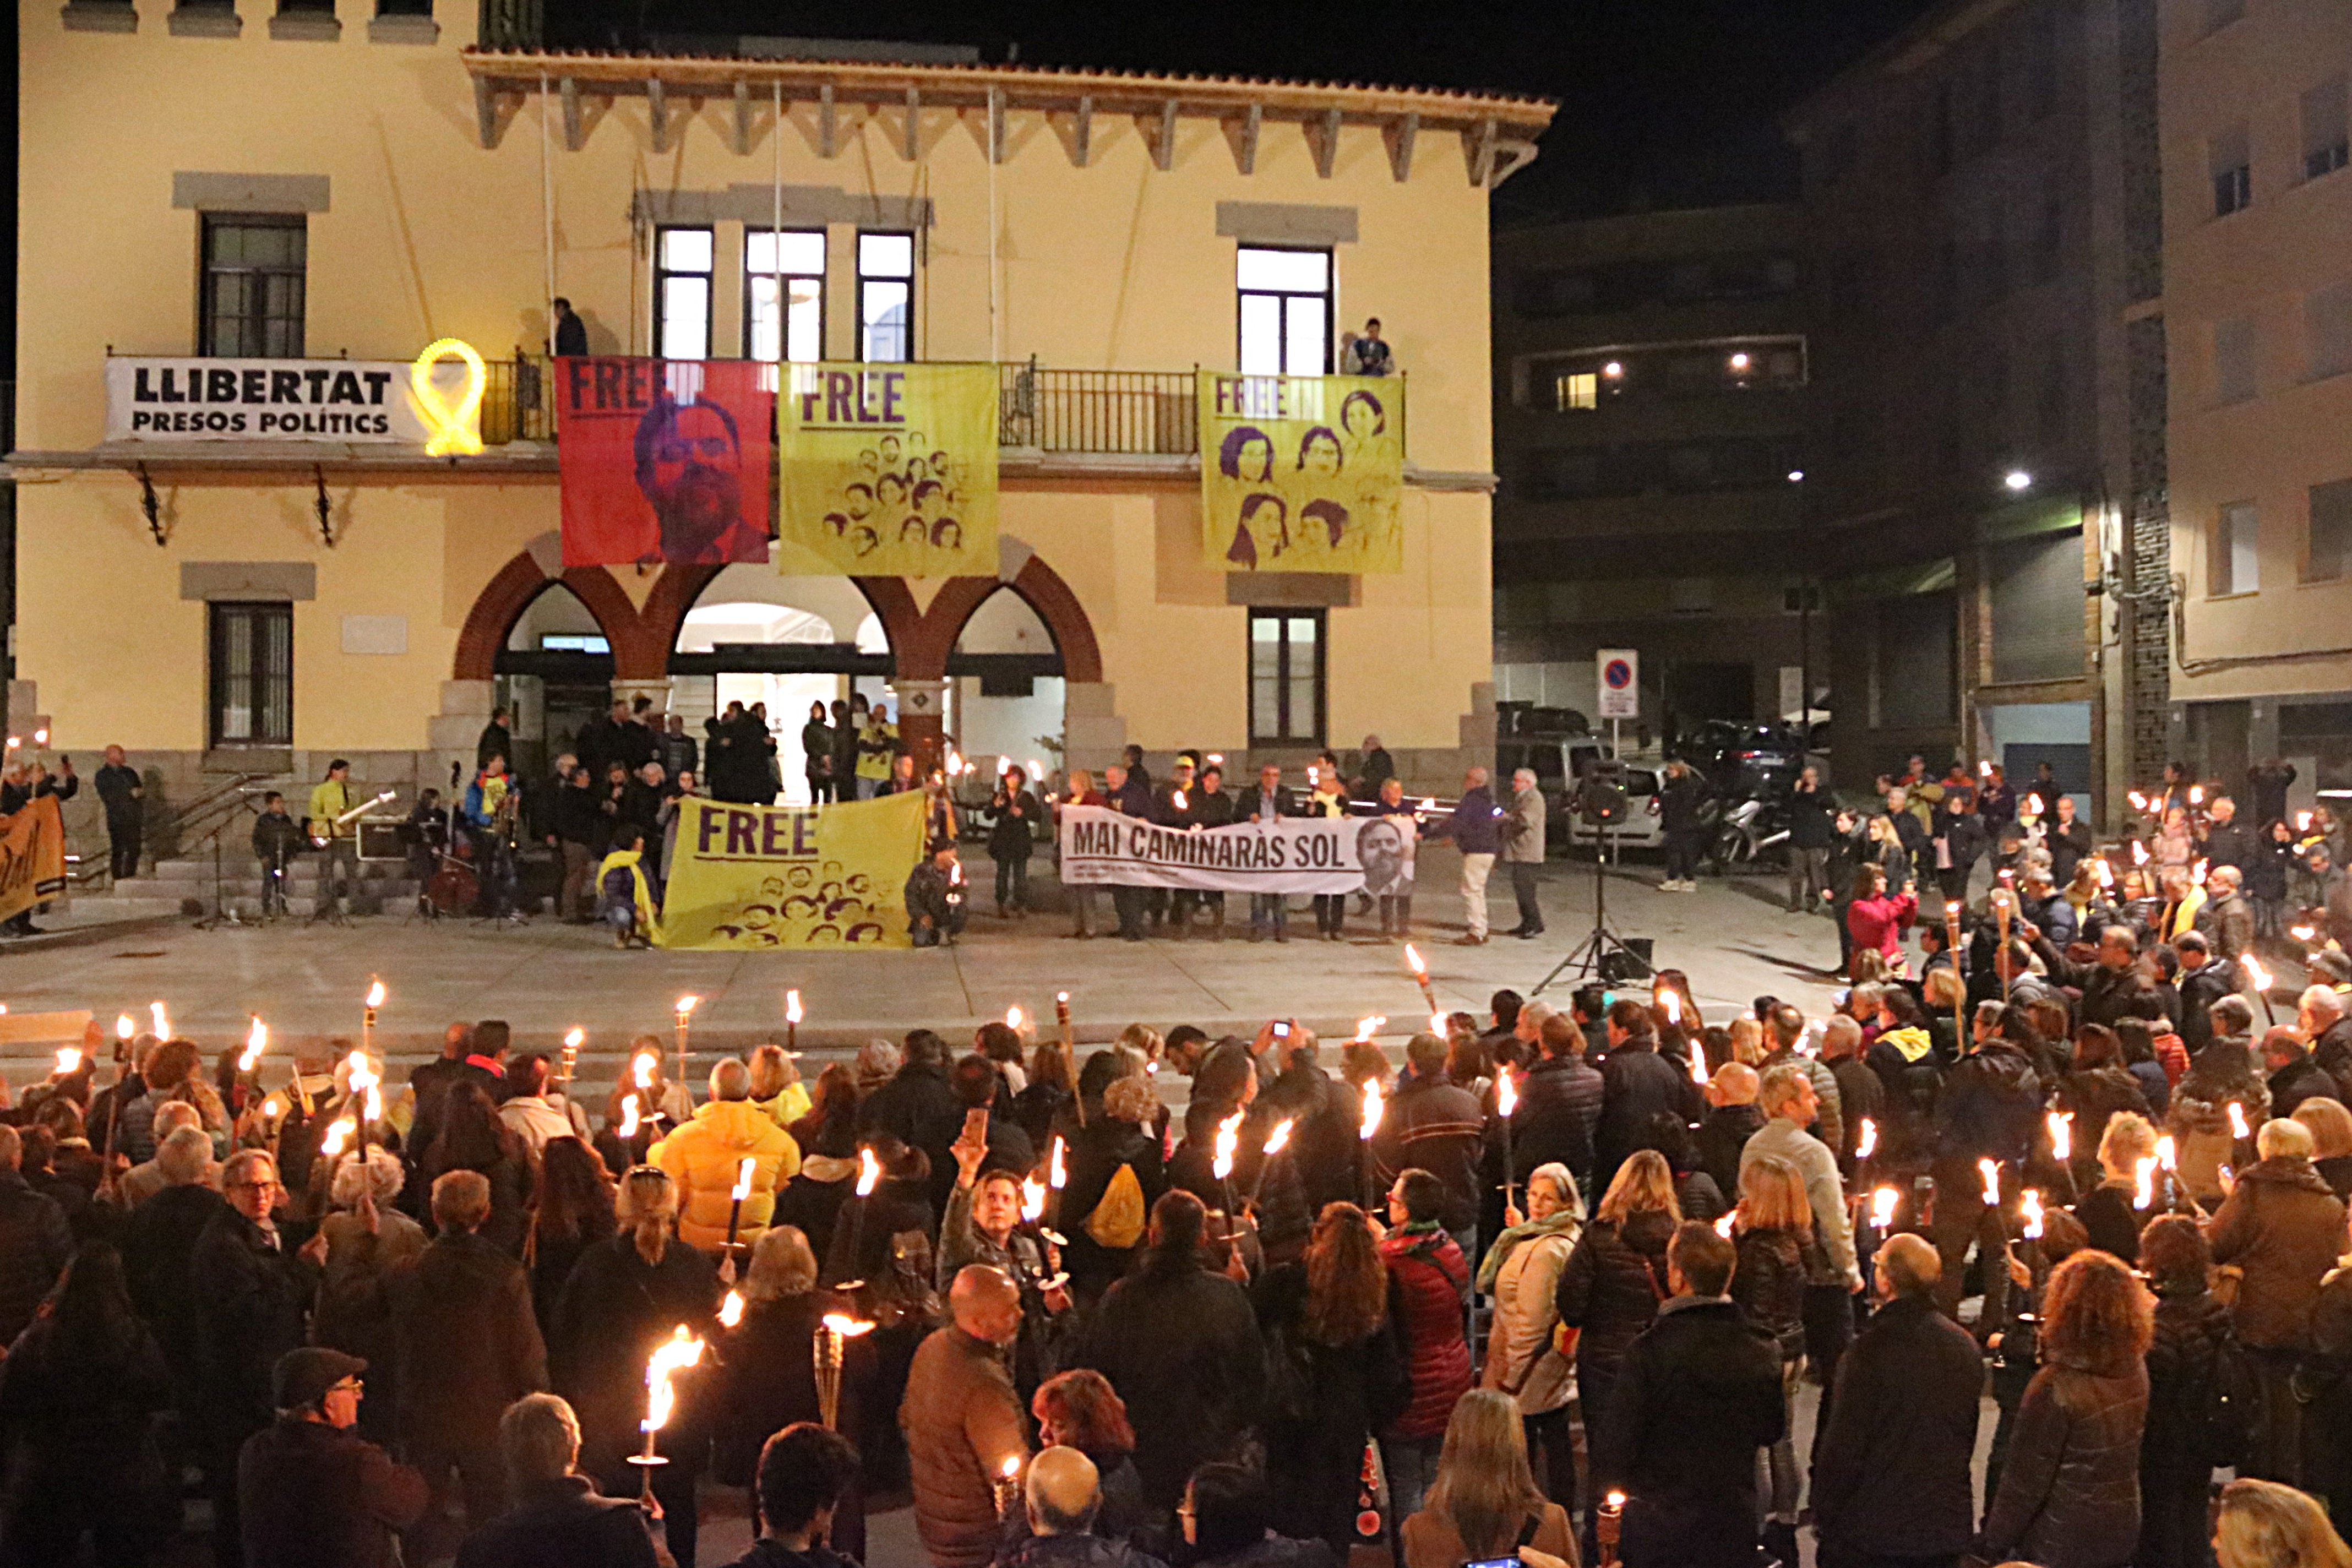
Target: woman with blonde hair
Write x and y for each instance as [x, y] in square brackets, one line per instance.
[1613, 1282]
[776, 1086]
[2261, 1524]
[1747, 1040]
[1483, 1503]
[766, 1369]
[1779, 1256]
[2330, 1126]
[2069, 1495]
[1337, 1374]
[1522, 1272]
[2110, 1211]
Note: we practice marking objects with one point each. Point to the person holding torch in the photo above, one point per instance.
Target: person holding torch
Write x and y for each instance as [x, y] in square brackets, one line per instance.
[965, 1437]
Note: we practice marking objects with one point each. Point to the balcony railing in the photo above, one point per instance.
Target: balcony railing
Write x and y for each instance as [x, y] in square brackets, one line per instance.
[518, 400]
[1124, 411]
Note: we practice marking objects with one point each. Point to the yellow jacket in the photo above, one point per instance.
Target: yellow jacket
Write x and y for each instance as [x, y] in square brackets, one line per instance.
[329, 801]
[702, 1158]
[788, 1106]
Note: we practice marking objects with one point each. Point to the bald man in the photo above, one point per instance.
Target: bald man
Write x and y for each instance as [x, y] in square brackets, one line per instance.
[1730, 1122]
[1476, 828]
[1063, 1493]
[1891, 1480]
[962, 1420]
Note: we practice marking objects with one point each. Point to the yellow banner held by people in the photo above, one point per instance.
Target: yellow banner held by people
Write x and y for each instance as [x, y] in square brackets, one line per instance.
[890, 469]
[1301, 473]
[32, 856]
[756, 878]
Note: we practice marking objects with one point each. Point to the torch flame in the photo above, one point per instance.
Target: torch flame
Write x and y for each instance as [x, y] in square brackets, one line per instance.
[2144, 1169]
[69, 1060]
[1723, 1226]
[1506, 1093]
[847, 1327]
[161, 1020]
[792, 1014]
[2140, 853]
[1228, 1143]
[574, 1038]
[1672, 1000]
[686, 1005]
[2139, 800]
[869, 1173]
[2196, 794]
[1176, 798]
[2302, 821]
[1279, 1139]
[744, 1170]
[337, 1135]
[1413, 961]
[123, 1027]
[2105, 872]
[1365, 1026]
[628, 1128]
[2197, 872]
[1697, 1060]
[2030, 1207]
[1057, 1172]
[257, 1040]
[2304, 934]
[1013, 1018]
[2062, 1135]
[1989, 1171]
[1372, 1109]
[2255, 972]
[674, 1355]
[1882, 1207]
[644, 1068]
[375, 995]
[2238, 1128]
[1033, 1198]
[1437, 1024]
[1866, 1144]
[2168, 1153]
[730, 1310]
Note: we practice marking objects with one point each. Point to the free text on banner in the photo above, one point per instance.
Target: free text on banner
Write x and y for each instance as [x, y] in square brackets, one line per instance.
[1295, 855]
[32, 856]
[1302, 473]
[752, 877]
[892, 469]
[664, 460]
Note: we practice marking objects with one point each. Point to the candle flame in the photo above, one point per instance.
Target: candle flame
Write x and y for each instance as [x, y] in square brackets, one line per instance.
[1866, 1144]
[744, 1170]
[2105, 872]
[646, 1065]
[1011, 1467]
[1177, 800]
[2144, 1169]
[69, 1060]
[1412, 961]
[2197, 872]
[628, 1128]
[1228, 1144]
[1952, 910]
[730, 1310]
[869, 1173]
[1279, 1139]
[674, 1355]
[1057, 1171]
[1672, 1000]
[1615, 1501]
[1506, 1093]
[2168, 1153]
[847, 1327]
[1437, 1024]
[257, 1040]
[123, 1027]
[792, 1014]
[1882, 1207]
[1723, 1226]
[1698, 1064]
[2062, 1135]
[1013, 1018]
[161, 1019]
[2302, 821]
[1061, 999]
[1989, 1171]
[574, 1038]
[2238, 1128]
[686, 1005]
[2196, 794]
[2139, 800]
[375, 995]
[2030, 1207]
[1372, 1109]
[1033, 1199]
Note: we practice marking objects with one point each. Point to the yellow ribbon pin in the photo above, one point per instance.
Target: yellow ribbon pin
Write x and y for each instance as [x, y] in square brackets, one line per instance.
[455, 430]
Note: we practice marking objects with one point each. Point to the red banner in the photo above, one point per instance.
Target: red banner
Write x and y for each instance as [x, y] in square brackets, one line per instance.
[664, 461]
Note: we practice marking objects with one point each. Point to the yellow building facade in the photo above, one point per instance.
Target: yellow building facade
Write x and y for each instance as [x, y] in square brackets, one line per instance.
[318, 187]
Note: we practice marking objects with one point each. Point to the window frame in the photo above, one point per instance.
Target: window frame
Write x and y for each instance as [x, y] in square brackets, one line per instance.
[251, 322]
[783, 307]
[664, 273]
[1329, 295]
[914, 267]
[1284, 677]
[2221, 548]
[219, 615]
[2310, 573]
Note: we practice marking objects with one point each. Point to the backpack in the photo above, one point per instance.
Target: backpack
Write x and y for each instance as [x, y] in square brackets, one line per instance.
[1117, 1220]
[2233, 1405]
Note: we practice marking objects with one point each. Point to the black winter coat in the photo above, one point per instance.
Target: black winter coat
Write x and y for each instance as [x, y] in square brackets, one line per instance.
[1094, 1158]
[35, 1243]
[1323, 1146]
[2190, 1327]
[1637, 1084]
[562, 1524]
[468, 1343]
[919, 1108]
[1699, 1394]
[252, 1302]
[1769, 1287]
[80, 1413]
[614, 1312]
[1891, 1473]
[2069, 1493]
[1611, 1285]
[1181, 1346]
[1314, 1456]
[1721, 1136]
[1560, 1106]
[159, 1249]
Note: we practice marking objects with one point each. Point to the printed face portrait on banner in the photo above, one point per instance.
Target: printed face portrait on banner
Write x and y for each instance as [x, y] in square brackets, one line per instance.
[664, 460]
[1301, 473]
[890, 469]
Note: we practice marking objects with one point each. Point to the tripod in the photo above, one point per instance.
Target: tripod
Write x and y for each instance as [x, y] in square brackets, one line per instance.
[224, 912]
[1594, 953]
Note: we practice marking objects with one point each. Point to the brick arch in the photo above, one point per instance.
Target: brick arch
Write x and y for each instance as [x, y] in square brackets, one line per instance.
[934, 638]
[637, 654]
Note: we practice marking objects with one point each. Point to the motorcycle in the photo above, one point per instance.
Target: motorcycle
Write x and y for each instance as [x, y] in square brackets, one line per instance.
[1745, 831]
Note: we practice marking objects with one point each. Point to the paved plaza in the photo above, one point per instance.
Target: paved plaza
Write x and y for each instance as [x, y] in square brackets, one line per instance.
[544, 978]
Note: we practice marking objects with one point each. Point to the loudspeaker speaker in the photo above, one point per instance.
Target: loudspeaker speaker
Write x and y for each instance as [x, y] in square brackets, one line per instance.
[1604, 804]
[1620, 966]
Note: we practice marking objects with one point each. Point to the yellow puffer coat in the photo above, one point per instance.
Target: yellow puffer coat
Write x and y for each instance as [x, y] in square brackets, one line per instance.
[702, 1158]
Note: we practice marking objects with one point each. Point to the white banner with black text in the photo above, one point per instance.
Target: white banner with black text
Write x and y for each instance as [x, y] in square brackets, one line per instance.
[1294, 855]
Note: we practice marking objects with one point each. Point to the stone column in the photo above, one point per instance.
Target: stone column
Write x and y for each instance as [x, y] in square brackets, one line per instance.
[1093, 733]
[922, 717]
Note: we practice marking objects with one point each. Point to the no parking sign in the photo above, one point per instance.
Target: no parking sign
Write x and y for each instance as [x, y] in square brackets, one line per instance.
[1621, 683]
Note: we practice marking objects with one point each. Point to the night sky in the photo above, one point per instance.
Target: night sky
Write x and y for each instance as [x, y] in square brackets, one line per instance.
[1663, 102]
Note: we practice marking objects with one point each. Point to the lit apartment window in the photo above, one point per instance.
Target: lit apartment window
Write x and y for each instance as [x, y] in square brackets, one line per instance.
[1579, 389]
[2325, 147]
[1286, 678]
[886, 297]
[2329, 557]
[1286, 311]
[682, 262]
[2233, 171]
[251, 675]
[2233, 360]
[795, 261]
[2234, 566]
[253, 285]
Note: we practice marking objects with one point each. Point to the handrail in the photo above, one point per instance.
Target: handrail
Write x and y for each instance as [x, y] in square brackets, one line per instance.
[196, 824]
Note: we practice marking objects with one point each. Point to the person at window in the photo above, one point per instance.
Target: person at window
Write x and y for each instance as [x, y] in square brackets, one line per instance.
[1366, 352]
[121, 790]
[277, 839]
[337, 841]
[571, 331]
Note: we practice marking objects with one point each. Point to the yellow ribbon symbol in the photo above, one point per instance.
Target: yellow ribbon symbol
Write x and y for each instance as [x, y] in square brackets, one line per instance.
[455, 430]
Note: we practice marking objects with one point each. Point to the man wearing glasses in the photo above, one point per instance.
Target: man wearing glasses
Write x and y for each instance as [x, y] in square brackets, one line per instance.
[311, 1488]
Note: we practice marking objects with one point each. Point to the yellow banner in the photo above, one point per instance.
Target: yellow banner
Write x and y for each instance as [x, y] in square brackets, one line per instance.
[1301, 473]
[890, 469]
[751, 877]
[32, 856]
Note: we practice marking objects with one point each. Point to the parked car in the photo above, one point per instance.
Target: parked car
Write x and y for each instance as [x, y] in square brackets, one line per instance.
[1742, 757]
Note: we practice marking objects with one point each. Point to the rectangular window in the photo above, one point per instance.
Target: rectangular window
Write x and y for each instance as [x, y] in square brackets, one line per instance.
[1286, 311]
[2327, 330]
[251, 678]
[1579, 390]
[2234, 563]
[2329, 557]
[2325, 145]
[682, 266]
[2233, 360]
[2232, 170]
[254, 285]
[1286, 678]
[793, 261]
[886, 297]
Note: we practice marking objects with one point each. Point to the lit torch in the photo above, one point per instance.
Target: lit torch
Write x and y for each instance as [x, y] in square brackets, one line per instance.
[1723, 1226]
[745, 1169]
[832, 1334]
[1370, 1124]
[69, 1060]
[870, 1176]
[2062, 1135]
[2261, 979]
[628, 1128]
[257, 1040]
[1883, 1203]
[161, 1020]
[730, 1310]
[674, 1355]
[1275, 1142]
[1014, 1019]
[1226, 1147]
[573, 1038]
[368, 1005]
[793, 1020]
[1420, 975]
[1033, 1200]
[2238, 1128]
[1989, 1171]
[2029, 1207]
[686, 1006]
[1866, 1145]
[1506, 1105]
[2143, 1169]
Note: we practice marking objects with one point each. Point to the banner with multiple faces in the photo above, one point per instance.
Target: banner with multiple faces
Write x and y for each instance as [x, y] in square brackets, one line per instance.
[1301, 473]
[890, 469]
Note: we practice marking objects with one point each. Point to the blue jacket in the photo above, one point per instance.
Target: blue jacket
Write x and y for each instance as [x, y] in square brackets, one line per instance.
[1475, 824]
[1132, 798]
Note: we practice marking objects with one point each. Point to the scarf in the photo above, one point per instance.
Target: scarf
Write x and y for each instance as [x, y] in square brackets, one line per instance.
[1566, 1221]
[1911, 1041]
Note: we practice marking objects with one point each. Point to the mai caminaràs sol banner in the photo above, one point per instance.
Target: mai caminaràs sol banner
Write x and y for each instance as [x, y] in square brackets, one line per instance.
[753, 878]
[1301, 473]
[890, 469]
[664, 461]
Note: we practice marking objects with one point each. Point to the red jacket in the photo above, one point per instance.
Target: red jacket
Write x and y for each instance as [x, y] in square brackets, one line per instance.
[1428, 1280]
[1880, 923]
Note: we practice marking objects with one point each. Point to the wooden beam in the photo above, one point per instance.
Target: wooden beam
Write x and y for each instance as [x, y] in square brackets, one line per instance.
[913, 144]
[1326, 146]
[1163, 155]
[742, 117]
[1082, 143]
[1399, 134]
[572, 134]
[827, 145]
[1481, 155]
[996, 125]
[486, 113]
[657, 108]
[1245, 155]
